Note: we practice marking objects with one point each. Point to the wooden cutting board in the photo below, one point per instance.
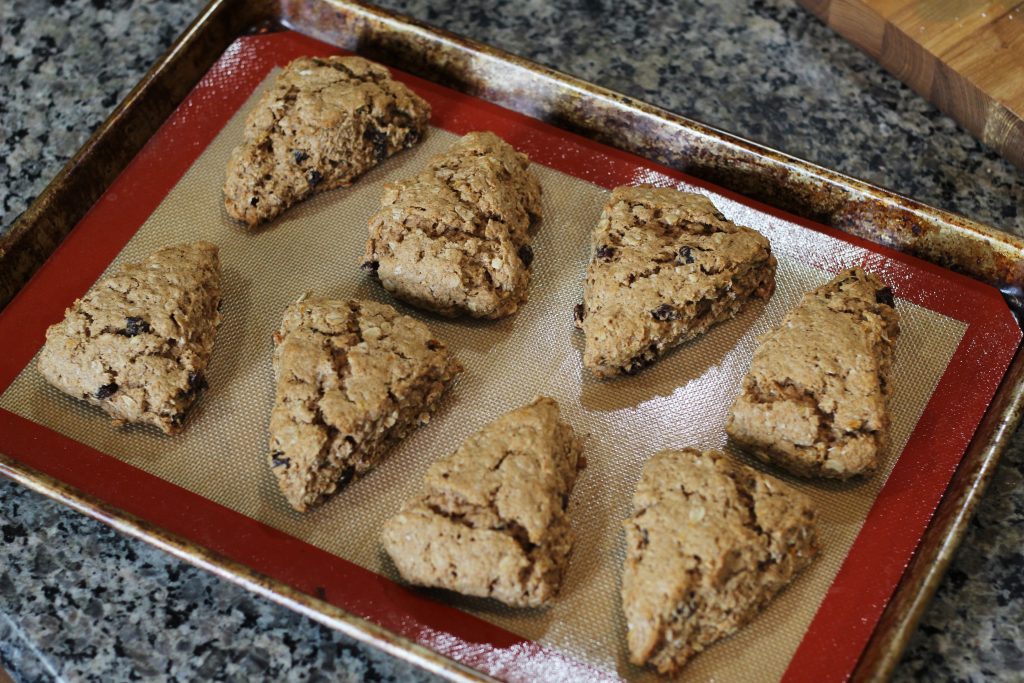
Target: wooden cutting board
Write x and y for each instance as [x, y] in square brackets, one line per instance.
[965, 56]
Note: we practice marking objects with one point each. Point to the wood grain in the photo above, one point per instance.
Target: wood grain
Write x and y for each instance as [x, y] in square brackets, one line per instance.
[965, 56]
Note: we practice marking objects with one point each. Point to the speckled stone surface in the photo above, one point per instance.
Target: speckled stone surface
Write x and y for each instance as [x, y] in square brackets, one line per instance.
[79, 602]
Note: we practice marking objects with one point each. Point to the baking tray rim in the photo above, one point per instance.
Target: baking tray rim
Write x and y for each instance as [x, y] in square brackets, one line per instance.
[236, 17]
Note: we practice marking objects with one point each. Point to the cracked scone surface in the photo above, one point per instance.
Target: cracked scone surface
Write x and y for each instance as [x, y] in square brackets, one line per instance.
[353, 378]
[324, 122]
[709, 544]
[456, 239]
[492, 520]
[666, 266]
[138, 343]
[815, 400]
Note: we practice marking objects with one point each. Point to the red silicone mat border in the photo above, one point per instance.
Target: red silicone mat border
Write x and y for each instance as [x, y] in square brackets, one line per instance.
[853, 604]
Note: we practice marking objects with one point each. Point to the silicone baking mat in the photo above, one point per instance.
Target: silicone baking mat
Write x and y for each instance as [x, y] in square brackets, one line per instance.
[211, 484]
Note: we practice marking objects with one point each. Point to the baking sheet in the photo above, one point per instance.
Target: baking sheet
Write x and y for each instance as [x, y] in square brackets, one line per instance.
[680, 401]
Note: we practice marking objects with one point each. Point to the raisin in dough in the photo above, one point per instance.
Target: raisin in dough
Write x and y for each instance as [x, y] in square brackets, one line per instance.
[323, 123]
[138, 343]
[492, 520]
[709, 544]
[353, 378]
[456, 238]
[815, 400]
[666, 266]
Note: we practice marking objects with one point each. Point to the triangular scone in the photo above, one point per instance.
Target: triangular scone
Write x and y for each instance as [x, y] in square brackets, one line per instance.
[138, 343]
[324, 122]
[456, 238]
[353, 377]
[492, 521]
[815, 400]
[666, 266]
[709, 544]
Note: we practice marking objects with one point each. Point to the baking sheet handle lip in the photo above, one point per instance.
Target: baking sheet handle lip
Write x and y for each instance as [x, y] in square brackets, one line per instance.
[276, 591]
[947, 529]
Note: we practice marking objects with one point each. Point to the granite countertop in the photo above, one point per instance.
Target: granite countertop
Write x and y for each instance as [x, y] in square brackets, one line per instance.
[80, 602]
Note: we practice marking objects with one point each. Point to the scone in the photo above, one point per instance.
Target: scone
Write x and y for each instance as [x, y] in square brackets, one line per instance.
[138, 343]
[324, 122]
[666, 266]
[492, 520]
[815, 400]
[353, 377]
[456, 238]
[709, 544]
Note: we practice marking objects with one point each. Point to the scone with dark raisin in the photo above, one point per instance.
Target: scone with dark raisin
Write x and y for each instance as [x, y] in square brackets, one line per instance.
[456, 239]
[323, 123]
[816, 398]
[138, 343]
[666, 266]
[709, 544]
[353, 378]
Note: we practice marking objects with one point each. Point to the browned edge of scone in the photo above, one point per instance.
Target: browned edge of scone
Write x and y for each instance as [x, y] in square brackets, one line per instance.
[709, 544]
[492, 520]
[456, 239]
[353, 378]
[323, 122]
[666, 266]
[816, 400]
[137, 344]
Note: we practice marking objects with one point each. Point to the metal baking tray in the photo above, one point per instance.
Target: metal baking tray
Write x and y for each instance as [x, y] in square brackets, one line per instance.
[703, 153]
